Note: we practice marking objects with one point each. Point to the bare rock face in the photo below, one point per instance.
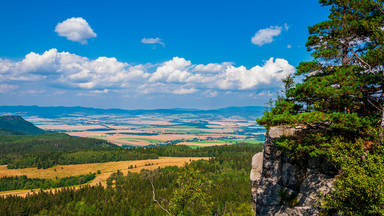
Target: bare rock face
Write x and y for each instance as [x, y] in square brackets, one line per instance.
[284, 186]
[257, 165]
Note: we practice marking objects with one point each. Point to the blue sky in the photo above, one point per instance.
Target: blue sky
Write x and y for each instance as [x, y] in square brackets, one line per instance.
[151, 54]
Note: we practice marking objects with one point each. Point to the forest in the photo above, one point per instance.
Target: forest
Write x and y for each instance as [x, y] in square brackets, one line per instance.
[45, 151]
[22, 182]
[175, 189]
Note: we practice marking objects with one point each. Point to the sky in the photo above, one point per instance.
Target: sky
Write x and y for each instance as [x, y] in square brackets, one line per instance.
[151, 54]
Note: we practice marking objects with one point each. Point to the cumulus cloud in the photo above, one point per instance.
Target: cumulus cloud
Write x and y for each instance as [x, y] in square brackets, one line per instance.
[266, 36]
[172, 71]
[75, 29]
[212, 67]
[152, 41]
[71, 71]
[63, 70]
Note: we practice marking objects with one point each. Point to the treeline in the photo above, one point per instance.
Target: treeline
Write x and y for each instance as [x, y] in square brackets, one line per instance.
[132, 194]
[53, 142]
[49, 159]
[22, 182]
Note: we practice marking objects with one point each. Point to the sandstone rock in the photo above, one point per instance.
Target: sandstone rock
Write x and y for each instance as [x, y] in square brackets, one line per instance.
[257, 165]
[308, 179]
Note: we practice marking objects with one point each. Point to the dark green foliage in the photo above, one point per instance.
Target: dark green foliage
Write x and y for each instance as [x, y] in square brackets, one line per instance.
[132, 194]
[192, 194]
[22, 182]
[340, 104]
[4, 132]
[359, 186]
[18, 124]
[53, 142]
[288, 197]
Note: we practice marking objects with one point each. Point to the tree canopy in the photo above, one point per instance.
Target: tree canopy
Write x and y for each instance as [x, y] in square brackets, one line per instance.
[339, 102]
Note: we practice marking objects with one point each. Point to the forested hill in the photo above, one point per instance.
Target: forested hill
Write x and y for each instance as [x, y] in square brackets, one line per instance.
[9, 132]
[16, 124]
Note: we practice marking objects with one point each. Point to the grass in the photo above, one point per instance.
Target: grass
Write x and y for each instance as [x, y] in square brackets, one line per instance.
[105, 168]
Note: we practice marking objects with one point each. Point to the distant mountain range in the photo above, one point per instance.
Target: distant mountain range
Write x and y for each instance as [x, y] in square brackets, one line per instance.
[16, 125]
[60, 111]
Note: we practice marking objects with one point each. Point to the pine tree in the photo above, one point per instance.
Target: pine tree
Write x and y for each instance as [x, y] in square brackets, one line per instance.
[343, 86]
[340, 104]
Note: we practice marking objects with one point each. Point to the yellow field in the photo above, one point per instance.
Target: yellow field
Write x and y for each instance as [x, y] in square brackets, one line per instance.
[106, 170]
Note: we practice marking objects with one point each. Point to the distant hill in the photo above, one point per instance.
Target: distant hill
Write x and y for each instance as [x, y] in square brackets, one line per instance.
[248, 112]
[13, 125]
[9, 132]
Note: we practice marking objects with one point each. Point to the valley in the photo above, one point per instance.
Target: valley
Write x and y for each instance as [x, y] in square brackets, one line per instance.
[113, 155]
[138, 128]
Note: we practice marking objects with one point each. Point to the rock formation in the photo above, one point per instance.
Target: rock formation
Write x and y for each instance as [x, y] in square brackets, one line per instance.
[283, 186]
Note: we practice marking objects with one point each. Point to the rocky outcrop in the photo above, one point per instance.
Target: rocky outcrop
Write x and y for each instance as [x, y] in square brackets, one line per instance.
[257, 165]
[282, 186]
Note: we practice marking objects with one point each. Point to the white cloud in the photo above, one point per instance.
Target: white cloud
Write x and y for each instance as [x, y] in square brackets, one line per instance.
[105, 91]
[286, 27]
[289, 46]
[75, 29]
[63, 70]
[265, 36]
[212, 67]
[6, 88]
[152, 41]
[211, 93]
[184, 91]
[174, 70]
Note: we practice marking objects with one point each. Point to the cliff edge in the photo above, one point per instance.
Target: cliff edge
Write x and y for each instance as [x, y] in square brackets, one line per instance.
[284, 186]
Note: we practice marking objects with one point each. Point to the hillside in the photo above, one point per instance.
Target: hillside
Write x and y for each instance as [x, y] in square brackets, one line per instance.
[5, 132]
[18, 124]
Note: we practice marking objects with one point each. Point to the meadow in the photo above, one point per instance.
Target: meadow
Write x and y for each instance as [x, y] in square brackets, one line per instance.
[103, 170]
